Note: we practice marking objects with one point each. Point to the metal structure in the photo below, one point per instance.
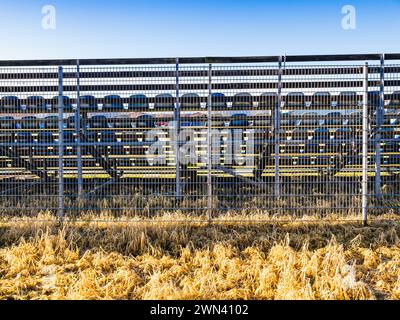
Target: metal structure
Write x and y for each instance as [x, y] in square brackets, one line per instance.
[282, 136]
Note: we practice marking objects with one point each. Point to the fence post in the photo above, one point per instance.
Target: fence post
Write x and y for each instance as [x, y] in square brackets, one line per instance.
[276, 130]
[177, 121]
[364, 182]
[61, 204]
[209, 148]
[78, 131]
[379, 121]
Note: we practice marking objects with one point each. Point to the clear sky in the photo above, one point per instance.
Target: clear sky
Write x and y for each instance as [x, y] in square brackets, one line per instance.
[155, 28]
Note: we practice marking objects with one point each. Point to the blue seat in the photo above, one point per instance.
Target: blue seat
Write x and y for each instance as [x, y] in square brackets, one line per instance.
[88, 103]
[395, 100]
[164, 101]
[295, 100]
[242, 100]
[268, 101]
[10, 103]
[347, 99]
[321, 99]
[321, 134]
[145, 121]
[333, 119]
[45, 138]
[98, 121]
[113, 103]
[190, 101]
[355, 119]
[30, 122]
[239, 120]
[23, 138]
[218, 101]
[310, 119]
[138, 102]
[109, 137]
[51, 122]
[7, 123]
[36, 104]
[67, 105]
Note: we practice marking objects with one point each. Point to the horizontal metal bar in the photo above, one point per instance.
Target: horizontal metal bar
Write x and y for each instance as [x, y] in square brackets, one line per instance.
[199, 60]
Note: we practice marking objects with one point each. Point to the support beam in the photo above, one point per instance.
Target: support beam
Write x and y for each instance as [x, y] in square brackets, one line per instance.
[379, 122]
[177, 122]
[78, 131]
[61, 204]
[209, 148]
[364, 182]
[276, 130]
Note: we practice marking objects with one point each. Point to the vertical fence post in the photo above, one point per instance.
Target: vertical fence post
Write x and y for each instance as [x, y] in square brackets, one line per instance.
[364, 182]
[61, 204]
[78, 131]
[177, 120]
[209, 148]
[379, 121]
[276, 130]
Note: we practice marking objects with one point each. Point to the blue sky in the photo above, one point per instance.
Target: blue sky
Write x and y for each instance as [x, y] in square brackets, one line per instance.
[155, 28]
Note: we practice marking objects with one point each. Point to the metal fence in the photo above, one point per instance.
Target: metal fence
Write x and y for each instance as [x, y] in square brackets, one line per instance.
[295, 136]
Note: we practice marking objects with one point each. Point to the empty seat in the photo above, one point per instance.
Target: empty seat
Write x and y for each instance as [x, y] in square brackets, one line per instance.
[113, 103]
[138, 101]
[310, 119]
[98, 121]
[347, 99]
[67, 105]
[109, 137]
[321, 134]
[295, 100]
[145, 121]
[7, 123]
[30, 122]
[321, 100]
[121, 122]
[333, 118]
[395, 100]
[164, 101]
[355, 119]
[88, 103]
[218, 101]
[10, 103]
[46, 137]
[51, 122]
[242, 101]
[23, 138]
[6, 137]
[268, 101]
[190, 101]
[239, 120]
[36, 104]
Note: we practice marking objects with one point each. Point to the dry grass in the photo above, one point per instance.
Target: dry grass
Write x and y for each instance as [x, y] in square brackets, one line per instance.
[170, 259]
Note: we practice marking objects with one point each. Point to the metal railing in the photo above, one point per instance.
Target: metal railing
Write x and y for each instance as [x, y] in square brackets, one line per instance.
[281, 136]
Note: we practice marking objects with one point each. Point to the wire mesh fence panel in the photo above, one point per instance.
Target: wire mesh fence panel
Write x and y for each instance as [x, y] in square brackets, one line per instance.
[29, 136]
[276, 139]
[384, 150]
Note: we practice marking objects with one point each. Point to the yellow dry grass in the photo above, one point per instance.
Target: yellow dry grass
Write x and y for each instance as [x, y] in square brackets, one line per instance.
[171, 259]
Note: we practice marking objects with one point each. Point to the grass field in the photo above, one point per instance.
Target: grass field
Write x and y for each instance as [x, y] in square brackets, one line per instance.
[171, 259]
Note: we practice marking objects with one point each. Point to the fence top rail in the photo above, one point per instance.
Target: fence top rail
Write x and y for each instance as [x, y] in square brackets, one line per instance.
[200, 60]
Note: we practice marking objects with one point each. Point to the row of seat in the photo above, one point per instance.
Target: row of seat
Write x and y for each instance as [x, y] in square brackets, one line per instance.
[307, 119]
[193, 101]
